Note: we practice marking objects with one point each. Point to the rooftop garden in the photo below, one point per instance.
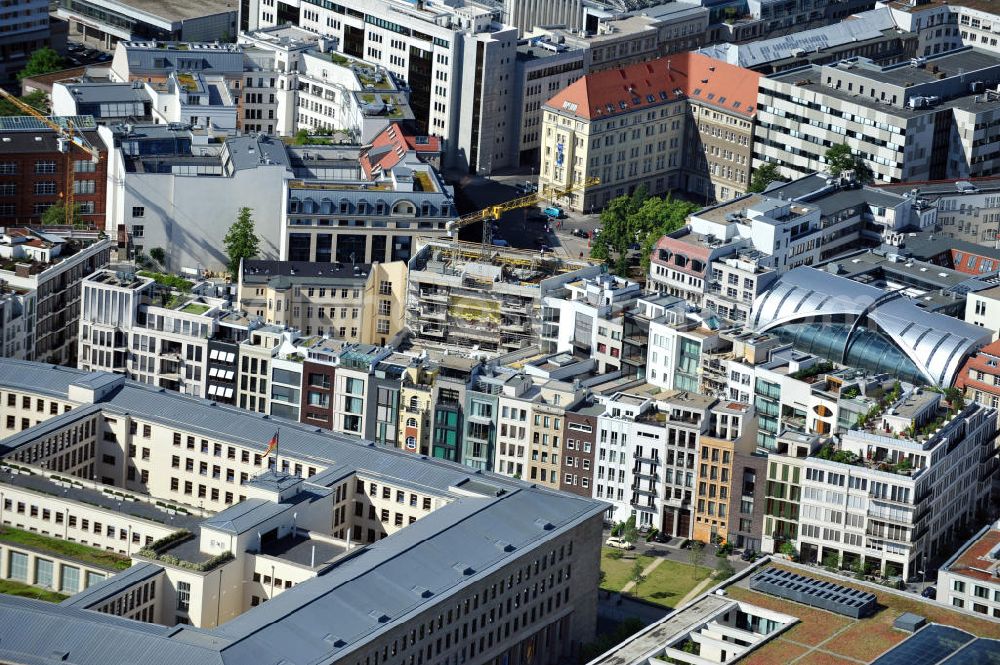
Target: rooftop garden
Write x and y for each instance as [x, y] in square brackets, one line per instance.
[65, 548]
[883, 401]
[423, 182]
[815, 370]
[160, 551]
[169, 281]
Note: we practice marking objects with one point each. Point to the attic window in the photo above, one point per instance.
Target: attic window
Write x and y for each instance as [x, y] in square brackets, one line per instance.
[722, 100]
[736, 105]
[650, 99]
[569, 106]
[611, 108]
[697, 91]
[623, 105]
[663, 95]
[711, 95]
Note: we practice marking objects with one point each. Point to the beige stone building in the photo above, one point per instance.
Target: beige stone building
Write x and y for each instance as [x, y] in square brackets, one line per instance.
[362, 303]
[681, 122]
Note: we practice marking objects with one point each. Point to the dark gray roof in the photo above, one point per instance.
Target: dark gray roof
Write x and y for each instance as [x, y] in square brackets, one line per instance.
[813, 189]
[102, 92]
[249, 152]
[490, 521]
[246, 515]
[112, 586]
[277, 273]
[929, 245]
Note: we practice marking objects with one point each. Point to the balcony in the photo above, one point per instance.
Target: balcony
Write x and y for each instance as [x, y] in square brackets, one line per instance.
[434, 296]
[434, 315]
[639, 505]
[645, 491]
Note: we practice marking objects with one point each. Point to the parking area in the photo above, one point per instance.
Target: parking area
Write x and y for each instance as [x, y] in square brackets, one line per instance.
[78, 55]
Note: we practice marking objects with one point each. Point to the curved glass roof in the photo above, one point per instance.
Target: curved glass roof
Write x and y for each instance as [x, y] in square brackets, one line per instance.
[822, 313]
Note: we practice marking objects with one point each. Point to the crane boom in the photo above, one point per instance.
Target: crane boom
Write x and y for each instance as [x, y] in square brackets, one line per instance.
[494, 212]
[67, 137]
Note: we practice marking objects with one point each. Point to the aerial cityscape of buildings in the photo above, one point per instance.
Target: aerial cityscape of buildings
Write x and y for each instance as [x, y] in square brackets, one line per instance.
[463, 331]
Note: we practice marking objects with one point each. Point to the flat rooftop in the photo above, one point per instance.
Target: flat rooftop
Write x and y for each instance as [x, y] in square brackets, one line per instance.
[978, 560]
[304, 551]
[173, 10]
[825, 637]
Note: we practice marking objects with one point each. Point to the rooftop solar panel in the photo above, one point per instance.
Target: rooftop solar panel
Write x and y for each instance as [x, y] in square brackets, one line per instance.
[928, 646]
[979, 652]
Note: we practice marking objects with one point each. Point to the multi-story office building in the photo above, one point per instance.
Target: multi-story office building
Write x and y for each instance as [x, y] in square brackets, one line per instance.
[360, 303]
[106, 23]
[457, 298]
[319, 509]
[33, 171]
[680, 122]
[309, 203]
[456, 59]
[24, 27]
[871, 34]
[929, 119]
[386, 214]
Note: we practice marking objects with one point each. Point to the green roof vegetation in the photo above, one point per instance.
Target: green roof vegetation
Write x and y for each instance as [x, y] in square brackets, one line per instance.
[423, 181]
[65, 548]
[195, 308]
[12, 588]
[170, 281]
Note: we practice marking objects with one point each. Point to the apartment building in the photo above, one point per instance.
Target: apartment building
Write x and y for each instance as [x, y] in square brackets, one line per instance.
[715, 480]
[222, 572]
[106, 24]
[969, 579]
[928, 119]
[580, 435]
[455, 298]
[589, 319]
[678, 122]
[457, 60]
[33, 171]
[979, 377]
[911, 481]
[358, 303]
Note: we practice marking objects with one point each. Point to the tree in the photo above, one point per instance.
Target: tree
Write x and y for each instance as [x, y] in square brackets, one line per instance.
[241, 241]
[840, 158]
[696, 554]
[42, 61]
[35, 99]
[724, 569]
[638, 218]
[56, 214]
[629, 532]
[158, 255]
[636, 576]
[764, 176]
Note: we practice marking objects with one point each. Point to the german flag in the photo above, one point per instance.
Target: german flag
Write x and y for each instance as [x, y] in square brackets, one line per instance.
[272, 445]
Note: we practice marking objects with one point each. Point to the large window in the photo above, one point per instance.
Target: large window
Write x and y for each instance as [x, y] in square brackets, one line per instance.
[70, 579]
[18, 566]
[183, 596]
[43, 573]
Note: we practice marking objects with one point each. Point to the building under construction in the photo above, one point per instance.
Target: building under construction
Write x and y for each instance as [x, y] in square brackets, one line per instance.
[459, 295]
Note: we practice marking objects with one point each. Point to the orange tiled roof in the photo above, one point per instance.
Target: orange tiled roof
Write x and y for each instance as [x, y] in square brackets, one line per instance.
[391, 144]
[650, 84]
[987, 361]
[975, 561]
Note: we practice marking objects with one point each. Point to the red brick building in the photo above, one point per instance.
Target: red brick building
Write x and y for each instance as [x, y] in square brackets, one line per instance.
[33, 173]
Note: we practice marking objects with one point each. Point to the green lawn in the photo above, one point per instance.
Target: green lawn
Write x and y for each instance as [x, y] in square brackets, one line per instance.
[618, 571]
[57, 547]
[17, 589]
[670, 582]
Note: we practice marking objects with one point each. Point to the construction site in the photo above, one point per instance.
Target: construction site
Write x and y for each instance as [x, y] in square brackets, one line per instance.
[484, 298]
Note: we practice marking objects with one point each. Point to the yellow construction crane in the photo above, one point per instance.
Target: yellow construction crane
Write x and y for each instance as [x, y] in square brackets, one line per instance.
[67, 136]
[493, 213]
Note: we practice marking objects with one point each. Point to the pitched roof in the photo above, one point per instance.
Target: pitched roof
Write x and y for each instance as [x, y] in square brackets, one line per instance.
[650, 84]
[390, 146]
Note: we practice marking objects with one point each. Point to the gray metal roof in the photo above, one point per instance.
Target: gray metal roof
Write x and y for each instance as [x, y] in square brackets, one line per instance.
[937, 344]
[103, 92]
[112, 586]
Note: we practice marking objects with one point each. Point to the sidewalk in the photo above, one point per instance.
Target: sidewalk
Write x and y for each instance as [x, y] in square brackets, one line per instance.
[646, 571]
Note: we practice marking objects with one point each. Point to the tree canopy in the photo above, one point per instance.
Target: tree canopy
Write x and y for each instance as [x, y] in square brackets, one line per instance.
[42, 61]
[35, 99]
[840, 158]
[637, 219]
[764, 176]
[56, 214]
[241, 241]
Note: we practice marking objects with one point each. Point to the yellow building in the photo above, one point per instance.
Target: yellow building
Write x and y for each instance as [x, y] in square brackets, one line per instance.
[680, 122]
[360, 303]
[415, 406]
[714, 483]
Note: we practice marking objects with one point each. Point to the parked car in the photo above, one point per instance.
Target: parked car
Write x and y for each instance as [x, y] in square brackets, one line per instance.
[579, 233]
[500, 242]
[929, 592]
[555, 212]
[661, 538]
[748, 555]
[619, 543]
